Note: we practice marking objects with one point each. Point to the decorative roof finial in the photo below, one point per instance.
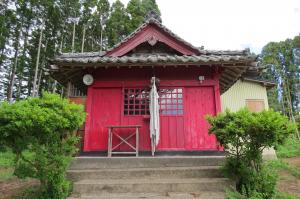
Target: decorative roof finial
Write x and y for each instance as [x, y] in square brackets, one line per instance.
[152, 15]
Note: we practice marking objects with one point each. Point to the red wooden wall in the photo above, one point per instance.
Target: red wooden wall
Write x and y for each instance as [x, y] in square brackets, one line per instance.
[185, 131]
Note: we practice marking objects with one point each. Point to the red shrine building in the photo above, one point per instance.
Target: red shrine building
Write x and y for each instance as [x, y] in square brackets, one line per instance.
[190, 81]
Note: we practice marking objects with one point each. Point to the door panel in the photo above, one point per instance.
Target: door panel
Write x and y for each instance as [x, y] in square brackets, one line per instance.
[135, 109]
[106, 109]
[199, 102]
[171, 119]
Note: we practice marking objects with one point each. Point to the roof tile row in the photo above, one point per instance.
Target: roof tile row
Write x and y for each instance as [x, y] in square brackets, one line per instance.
[154, 59]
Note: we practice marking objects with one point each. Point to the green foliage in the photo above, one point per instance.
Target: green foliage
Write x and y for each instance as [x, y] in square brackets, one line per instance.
[118, 23]
[281, 165]
[150, 5]
[290, 148]
[30, 193]
[22, 21]
[236, 195]
[43, 126]
[269, 178]
[244, 136]
[137, 13]
[281, 60]
[297, 119]
[138, 9]
[6, 159]
[6, 165]
[283, 195]
[252, 182]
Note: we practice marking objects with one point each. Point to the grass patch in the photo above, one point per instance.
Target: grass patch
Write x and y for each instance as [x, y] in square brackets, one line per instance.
[291, 148]
[6, 165]
[280, 195]
[30, 193]
[280, 165]
[276, 166]
[283, 195]
[6, 174]
[6, 159]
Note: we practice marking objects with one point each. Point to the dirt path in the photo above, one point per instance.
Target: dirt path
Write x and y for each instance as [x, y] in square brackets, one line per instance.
[287, 182]
[295, 161]
[12, 187]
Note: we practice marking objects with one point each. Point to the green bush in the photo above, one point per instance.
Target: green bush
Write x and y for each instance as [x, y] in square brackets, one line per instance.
[244, 136]
[290, 148]
[6, 159]
[40, 133]
[297, 118]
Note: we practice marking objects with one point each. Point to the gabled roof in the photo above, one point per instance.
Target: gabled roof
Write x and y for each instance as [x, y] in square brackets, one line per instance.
[71, 66]
[146, 32]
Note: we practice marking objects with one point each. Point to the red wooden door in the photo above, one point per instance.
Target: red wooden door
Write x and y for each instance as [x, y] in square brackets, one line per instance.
[199, 102]
[105, 110]
[136, 112]
[171, 119]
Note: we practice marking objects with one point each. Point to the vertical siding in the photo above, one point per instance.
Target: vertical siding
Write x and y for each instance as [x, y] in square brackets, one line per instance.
[235, 97]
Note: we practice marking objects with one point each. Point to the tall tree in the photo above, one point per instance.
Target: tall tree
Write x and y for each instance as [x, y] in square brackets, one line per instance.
[138, 9]
[283, 67]
[150, 5]
[117, 24]
[100, 26]
[136, 12]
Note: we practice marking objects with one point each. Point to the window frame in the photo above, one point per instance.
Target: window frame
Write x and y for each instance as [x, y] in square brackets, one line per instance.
[126, 111]
[146, 109]
[172, 99]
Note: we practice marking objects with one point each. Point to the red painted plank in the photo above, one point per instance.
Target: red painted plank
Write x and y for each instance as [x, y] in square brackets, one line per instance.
[104, 108]
[185, 132]
[199, 103]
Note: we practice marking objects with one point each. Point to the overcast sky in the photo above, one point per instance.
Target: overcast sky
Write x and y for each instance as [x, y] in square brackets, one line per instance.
[231, 24]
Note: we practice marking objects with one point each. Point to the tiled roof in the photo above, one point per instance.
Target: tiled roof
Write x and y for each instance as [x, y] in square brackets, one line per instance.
[164, 28]
[235, 62]
[150, 58]
[259, 79]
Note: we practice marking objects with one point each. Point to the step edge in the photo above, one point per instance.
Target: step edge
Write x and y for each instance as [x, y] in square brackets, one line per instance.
[146, 169]
[154, 181]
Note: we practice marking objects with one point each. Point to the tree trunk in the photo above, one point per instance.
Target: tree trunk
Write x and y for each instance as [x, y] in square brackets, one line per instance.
[20, 73]
[73, 37]
[34, 91]
[83, 39]
[13, 72]
[54, 86]
[41, 70]
[101, 39]
[39, 82]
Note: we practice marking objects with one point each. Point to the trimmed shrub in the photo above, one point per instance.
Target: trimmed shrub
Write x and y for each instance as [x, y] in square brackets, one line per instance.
[245, 135]
[39, 131]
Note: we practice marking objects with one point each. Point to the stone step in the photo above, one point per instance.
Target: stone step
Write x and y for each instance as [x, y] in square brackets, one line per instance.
[151, 186]
[129, 173]
[167, 195]
[145, 162]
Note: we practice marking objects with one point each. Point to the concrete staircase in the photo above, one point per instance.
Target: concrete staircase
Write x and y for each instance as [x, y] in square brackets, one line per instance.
[169, 177]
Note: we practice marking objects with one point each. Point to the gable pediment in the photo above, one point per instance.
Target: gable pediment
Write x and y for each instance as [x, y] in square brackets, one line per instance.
[154, 35]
